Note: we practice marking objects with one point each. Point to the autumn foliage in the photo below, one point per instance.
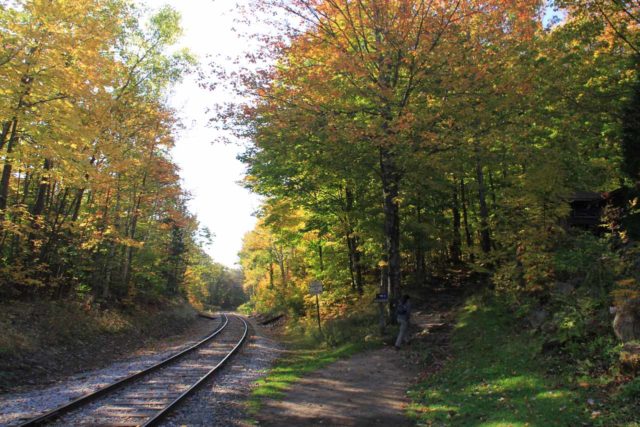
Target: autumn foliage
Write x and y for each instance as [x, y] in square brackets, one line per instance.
[406, 139]
[90, 200]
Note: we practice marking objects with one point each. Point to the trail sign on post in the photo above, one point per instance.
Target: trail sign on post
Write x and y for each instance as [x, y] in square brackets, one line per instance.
[315, 288]
[382, 297]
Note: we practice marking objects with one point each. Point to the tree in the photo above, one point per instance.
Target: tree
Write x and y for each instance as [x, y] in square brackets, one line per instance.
[362, 78]
[89, 197]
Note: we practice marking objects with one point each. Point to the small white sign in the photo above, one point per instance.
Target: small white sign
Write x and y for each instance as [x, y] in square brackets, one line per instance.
[315, 287]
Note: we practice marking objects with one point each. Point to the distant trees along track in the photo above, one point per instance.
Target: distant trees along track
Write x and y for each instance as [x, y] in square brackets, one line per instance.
[147, 397]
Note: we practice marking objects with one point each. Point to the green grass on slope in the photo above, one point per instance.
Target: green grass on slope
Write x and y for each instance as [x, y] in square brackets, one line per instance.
[496, 379]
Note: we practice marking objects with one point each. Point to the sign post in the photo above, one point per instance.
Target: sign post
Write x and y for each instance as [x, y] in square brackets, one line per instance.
[382, 299]
[315, 288]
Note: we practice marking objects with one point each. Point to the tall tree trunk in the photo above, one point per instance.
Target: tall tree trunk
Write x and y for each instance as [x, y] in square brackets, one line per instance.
[465, 214]
[390, 191]
[38, 208]
[131, 233]
[320, 255]
[456, 243]
[106, 285]
[26, 81]
[389, 171]
[50, 248]
[43, 188]
[77, 203]
[25, 188]
[485, 234]
[419, 252]
[6, 170]
[357, 261]
[283, 271]
[271, 285]
[353, 244]
[6, 126]
[80, 193]
[352, 272]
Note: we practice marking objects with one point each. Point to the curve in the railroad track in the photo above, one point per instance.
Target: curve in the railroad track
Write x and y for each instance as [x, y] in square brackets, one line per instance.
[145, 398]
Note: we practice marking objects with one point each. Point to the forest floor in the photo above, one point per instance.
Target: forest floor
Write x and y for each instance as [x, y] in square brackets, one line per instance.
[350, 387]
[43, 343]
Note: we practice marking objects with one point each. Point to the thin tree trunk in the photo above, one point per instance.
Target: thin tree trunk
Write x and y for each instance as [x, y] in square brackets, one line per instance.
[485, 234]
[43, 188]
[27, 81]
[465, 215]
[126, 273]
[78, 200]
[77, 203]
[355, 256]
[390, 189]
[50, 198]
[457, 240]
[106, 289]
[50, 247]
[6, 170]
[4, 133]
[350, 251]
[271, 285]
[106, 285]
[357, 261]
[419, 253]
[283, 271]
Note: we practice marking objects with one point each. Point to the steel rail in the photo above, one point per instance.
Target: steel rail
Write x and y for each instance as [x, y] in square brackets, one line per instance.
[90, 397]
[162, 414]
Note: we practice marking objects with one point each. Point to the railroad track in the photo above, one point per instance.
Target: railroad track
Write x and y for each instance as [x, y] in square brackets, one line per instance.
[147, 397]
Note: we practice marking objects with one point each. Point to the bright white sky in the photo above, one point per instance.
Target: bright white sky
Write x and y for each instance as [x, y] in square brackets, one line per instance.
[210, 172]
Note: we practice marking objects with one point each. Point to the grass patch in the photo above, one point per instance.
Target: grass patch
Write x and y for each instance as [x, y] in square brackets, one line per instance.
[309, 350]
[497, 378]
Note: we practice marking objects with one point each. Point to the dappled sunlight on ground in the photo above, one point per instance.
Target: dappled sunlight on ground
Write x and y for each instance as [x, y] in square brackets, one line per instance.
[367, 389]
[495, 380]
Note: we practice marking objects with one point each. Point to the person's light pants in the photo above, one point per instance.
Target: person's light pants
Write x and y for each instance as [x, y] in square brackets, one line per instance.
[402, 334]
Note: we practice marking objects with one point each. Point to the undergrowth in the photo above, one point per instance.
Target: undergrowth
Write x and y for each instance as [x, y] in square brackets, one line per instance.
[498, 376]
[39, 337]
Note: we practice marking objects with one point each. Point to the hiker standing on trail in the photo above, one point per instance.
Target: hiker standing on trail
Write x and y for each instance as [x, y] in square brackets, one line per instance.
[403, 314]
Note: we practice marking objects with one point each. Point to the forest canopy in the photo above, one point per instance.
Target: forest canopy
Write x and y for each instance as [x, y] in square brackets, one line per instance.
[90, 198]
[398, 141]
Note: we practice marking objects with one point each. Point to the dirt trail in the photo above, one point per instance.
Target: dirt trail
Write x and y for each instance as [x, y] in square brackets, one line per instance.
[368, 389]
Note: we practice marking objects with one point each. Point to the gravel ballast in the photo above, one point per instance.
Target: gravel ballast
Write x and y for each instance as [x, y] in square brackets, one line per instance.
[219, 402]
